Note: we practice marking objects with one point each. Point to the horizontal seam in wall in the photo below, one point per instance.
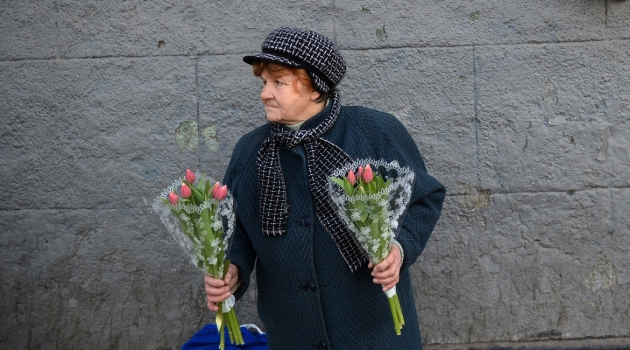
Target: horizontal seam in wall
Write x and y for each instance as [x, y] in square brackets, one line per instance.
[544, 43]
[588, 343]
[567, 191]
[455, 195]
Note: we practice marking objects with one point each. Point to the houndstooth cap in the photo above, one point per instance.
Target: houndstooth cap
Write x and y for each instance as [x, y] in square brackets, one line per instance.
[304, 49]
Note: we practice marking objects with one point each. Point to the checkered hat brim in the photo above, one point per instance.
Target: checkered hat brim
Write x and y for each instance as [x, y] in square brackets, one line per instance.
[304, 49]
[273, 58]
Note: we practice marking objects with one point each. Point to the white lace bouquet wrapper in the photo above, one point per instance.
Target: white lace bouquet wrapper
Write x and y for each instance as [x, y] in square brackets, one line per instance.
[203, 231]
[371, 196]
[201, 220]
[372, 210]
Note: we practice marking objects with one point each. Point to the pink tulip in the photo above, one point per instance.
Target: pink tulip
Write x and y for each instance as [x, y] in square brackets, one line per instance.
[190, 176]
[214, 189]
[186, 191]
[172, 197]
[221, 193]
[367, 174]
[351, 178]
[360, 172]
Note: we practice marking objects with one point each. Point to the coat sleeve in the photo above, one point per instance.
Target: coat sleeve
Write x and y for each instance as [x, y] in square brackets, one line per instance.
[428, 193]
[240, 251]
[421, 216]
[243, 256]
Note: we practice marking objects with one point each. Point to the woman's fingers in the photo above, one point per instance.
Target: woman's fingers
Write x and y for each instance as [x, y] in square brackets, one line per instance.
[215, 296]
[388, 276]
[214, 307]
[215, 286]
[387, 283]
[218, 290]
[213, 282]
[389, 286]
[387, 272]
[231, 277]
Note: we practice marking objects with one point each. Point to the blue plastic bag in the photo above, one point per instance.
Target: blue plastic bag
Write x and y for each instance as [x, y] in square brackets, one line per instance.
[208, 339]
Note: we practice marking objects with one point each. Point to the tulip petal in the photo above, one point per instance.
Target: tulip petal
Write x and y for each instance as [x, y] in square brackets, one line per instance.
[190, 176]
[368, 176]
[215, 188]
[186, 191]
[352, 178]
[173, 198]
[222, 193]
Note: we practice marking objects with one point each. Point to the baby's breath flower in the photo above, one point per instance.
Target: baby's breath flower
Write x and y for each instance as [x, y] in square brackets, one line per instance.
[217, 225]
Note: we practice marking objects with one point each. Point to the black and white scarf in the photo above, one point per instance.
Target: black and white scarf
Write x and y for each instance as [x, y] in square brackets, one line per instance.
[322, 158]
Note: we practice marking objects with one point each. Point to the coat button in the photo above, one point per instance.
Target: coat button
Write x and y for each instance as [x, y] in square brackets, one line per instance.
[305, 221]
[311, 287]
[323, 345]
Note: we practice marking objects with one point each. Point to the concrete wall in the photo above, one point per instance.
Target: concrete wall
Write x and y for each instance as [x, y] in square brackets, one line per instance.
[521, 108]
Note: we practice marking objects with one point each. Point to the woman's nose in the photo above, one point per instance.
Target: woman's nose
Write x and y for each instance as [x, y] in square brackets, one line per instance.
[265, 93]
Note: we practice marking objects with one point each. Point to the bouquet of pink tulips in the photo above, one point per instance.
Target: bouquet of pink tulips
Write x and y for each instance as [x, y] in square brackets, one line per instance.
[201, 219]
[370, 202]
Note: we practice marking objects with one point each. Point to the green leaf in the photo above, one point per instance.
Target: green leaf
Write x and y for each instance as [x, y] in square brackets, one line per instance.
[199, 198]
[338, 181]
[226, 266]
[206, 188]
[347, 187]
[380, 184]
[375, 232]
[372, 187]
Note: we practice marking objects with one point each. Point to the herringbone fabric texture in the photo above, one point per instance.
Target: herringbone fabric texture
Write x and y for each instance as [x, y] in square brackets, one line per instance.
[306, 293]
[322, 158]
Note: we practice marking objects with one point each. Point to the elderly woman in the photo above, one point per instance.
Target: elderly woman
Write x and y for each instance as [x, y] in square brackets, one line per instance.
[316, 288]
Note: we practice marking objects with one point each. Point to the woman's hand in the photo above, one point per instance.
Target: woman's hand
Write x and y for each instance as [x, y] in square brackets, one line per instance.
[387, 272]
[218, 290]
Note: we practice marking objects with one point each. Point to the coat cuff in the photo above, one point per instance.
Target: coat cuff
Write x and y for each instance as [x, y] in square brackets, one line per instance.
[243, 280]
[402, 252]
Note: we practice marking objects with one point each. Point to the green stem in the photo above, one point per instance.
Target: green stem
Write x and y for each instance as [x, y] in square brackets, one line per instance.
[393, 309]
[400, 314]
[236, 337]
[229, 325]
[220, 326]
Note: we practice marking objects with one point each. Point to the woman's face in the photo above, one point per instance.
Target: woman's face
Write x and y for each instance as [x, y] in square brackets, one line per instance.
[283, 104]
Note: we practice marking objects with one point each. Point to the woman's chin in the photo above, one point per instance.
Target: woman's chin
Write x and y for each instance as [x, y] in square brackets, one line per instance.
[274, 118]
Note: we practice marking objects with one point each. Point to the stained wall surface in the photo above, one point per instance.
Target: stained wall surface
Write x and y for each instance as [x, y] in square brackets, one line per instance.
[521, 108]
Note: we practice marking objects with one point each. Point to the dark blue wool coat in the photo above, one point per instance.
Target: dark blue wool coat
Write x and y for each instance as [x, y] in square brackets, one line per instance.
[307, 296]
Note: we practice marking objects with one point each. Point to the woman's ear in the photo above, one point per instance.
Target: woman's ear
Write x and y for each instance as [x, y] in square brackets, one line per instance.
[315, 95]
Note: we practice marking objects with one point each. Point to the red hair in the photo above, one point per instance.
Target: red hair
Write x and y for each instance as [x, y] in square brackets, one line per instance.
[276, 70]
